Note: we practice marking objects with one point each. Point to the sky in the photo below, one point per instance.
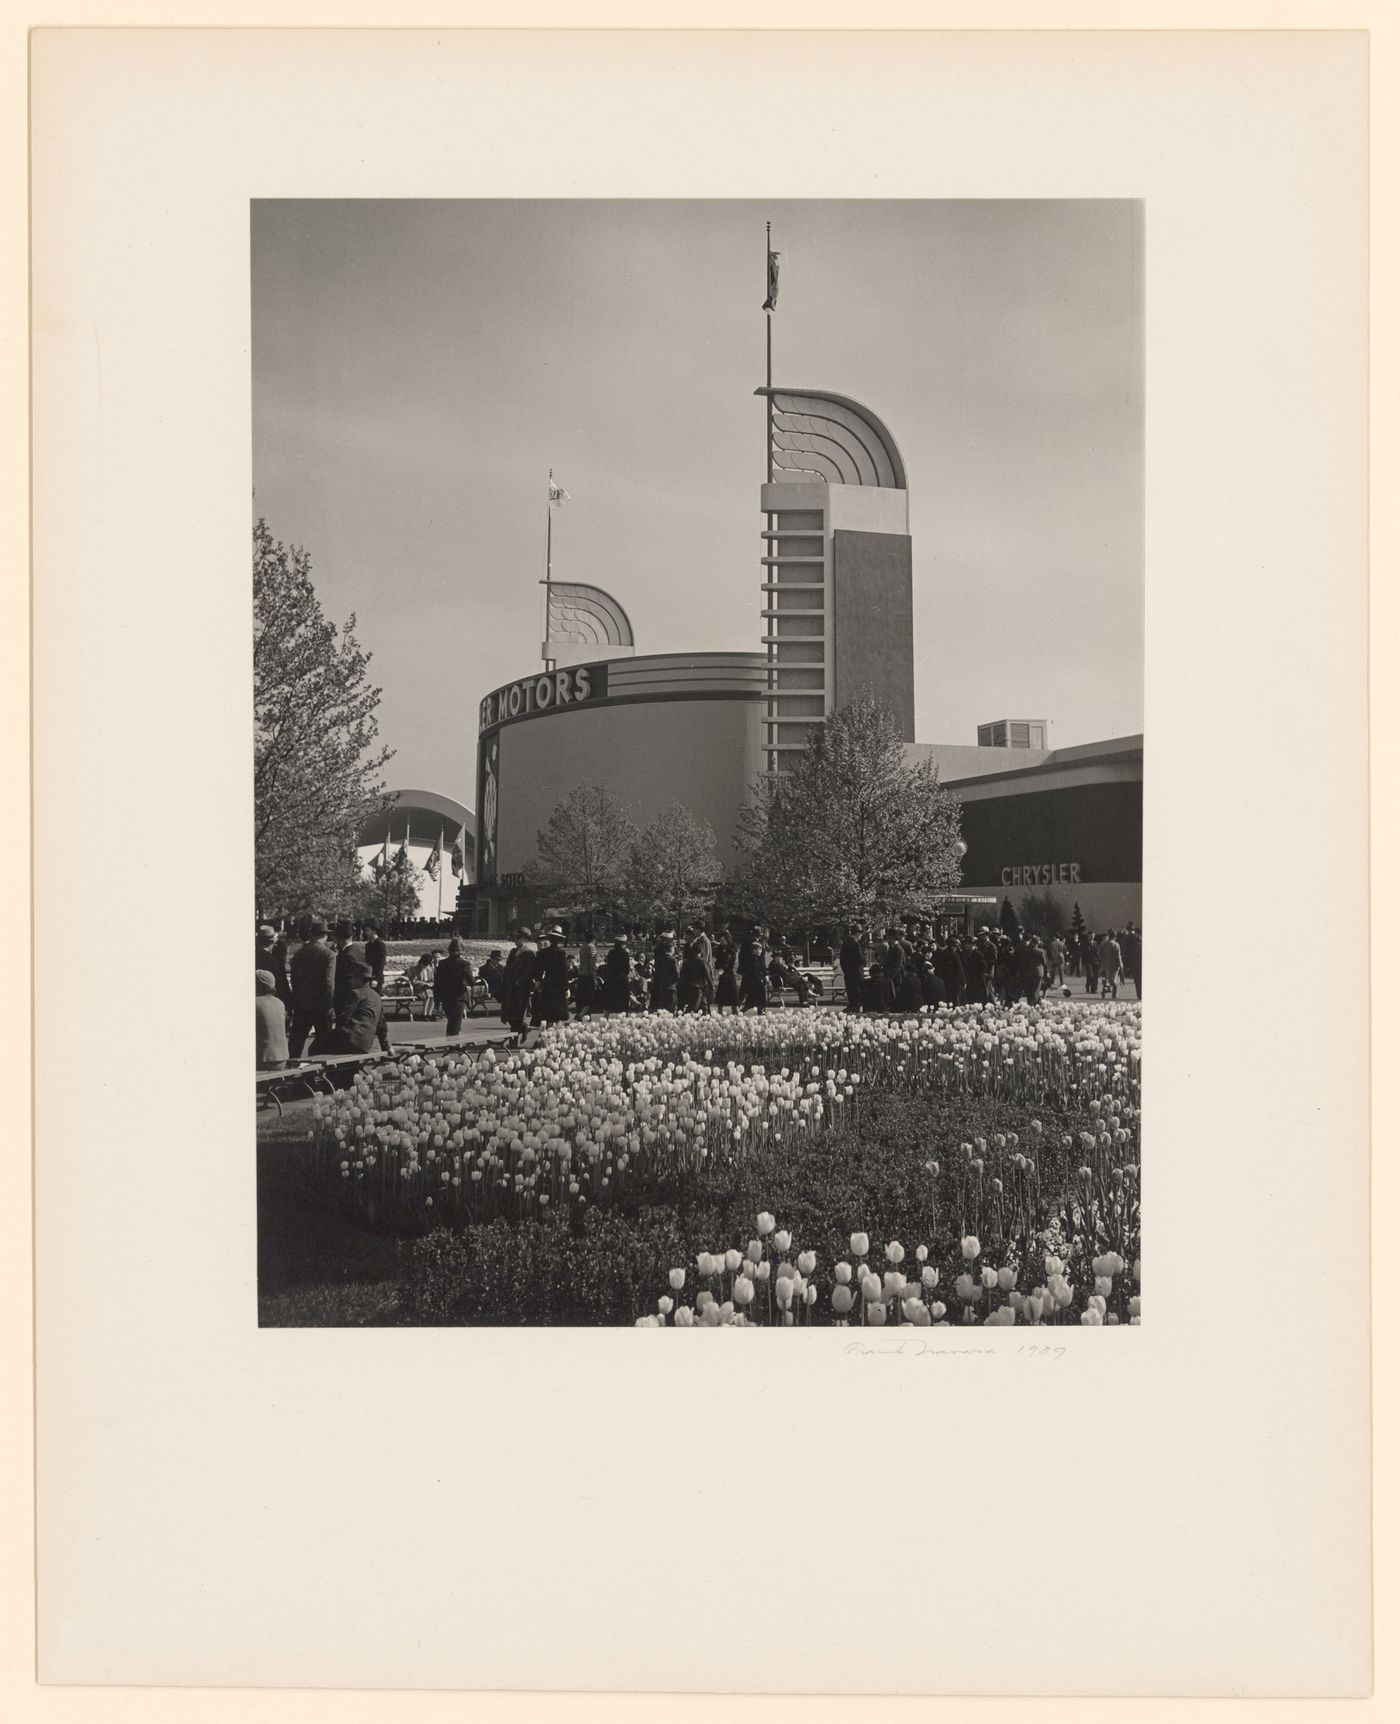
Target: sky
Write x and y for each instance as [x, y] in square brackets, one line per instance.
[420, 366]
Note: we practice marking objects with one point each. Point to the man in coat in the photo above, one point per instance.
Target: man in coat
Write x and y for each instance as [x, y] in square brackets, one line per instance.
[852, 960]
[705, 951]
[376, 955]
[451, 985]
[974, 963]
[313, 989]
[665, 976]
[1132, 955]
[359, 1022]
[518, 982]
[1032, 969]
[1110, 965]
[948, 965]
[348, 952]
[554, 978]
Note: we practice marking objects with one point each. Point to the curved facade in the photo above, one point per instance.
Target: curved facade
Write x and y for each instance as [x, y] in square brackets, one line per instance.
[668, 727]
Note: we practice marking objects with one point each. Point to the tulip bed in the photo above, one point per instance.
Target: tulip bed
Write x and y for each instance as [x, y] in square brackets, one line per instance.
[564, 1182]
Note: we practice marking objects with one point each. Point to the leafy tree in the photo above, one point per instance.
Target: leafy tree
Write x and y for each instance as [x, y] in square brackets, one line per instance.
[316, 767]
[672, 870]
[852, 834]
[391, 892]
[582, 853]
[1041, 914]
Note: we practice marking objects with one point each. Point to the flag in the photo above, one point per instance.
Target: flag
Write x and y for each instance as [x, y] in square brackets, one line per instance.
[459, 861]
[434, 862]
[558, 496]
[771, 303]
[403, 848]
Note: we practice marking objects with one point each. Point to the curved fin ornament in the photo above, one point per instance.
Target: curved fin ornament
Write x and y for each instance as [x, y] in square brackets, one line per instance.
[833, 439]
[587, 615]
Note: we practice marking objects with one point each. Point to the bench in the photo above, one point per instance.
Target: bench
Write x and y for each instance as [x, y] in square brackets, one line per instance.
[313, 1071]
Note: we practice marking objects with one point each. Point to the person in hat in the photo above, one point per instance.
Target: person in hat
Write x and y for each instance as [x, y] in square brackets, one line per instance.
[359, 1022]
[272, 1023]
[852, 960]
[270, 954]
[617, 977]
[586, 985]
[974, 963]
[727, 974]
[493, 973]
[348, 951]
[1110, 956]
[313, 988]
[697, 983]
[665, 975]
[376, 955]
[518, 981]
[452, 983]
[1131, 943]
[554, 978]
[753, 978]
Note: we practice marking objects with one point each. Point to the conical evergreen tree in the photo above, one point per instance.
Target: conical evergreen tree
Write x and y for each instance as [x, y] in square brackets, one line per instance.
[1076, 923]
[1009, 924]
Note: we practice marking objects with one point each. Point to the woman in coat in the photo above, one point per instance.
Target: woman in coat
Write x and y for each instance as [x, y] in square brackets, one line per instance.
[727, 975]
[694, 977]
[554, 978]
[753, 979]
[617, 977]
[518, 983]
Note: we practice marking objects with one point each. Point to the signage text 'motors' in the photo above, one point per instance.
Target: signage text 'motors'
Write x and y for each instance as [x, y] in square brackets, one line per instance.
[544, 693]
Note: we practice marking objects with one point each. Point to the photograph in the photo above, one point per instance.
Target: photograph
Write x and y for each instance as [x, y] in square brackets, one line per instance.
[698, 654]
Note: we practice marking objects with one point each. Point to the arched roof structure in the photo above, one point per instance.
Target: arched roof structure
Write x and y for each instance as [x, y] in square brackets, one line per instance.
[422, 813]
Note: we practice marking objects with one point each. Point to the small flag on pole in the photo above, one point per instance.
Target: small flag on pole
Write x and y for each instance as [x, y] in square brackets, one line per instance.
[771, 303]
[403, 848]
[434, 863]
[558, 496]
[459, 861]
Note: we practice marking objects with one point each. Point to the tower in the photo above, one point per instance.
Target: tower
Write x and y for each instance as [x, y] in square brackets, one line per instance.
[838, 569]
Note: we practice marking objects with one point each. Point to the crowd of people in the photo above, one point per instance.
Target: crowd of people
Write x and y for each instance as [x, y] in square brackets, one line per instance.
[903, 970]
[328, 998]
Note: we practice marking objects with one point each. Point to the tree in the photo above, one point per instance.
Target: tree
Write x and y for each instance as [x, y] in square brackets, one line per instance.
[582, 853]
[315, 764]
[1076, 924]
[851, 834]
[391, 893]
[1009, 924]
[1041, 914]
[672, 870]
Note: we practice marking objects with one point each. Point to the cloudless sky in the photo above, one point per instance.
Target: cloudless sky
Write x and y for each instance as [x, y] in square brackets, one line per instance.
[419, 366]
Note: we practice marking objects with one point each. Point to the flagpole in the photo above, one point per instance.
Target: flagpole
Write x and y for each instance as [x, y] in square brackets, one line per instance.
[548, 559]
[768, 318]
[439, 870]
